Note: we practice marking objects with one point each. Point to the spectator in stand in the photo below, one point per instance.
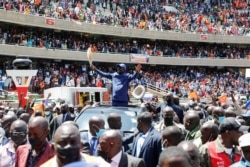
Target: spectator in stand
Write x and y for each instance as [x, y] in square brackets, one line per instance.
[203, 17]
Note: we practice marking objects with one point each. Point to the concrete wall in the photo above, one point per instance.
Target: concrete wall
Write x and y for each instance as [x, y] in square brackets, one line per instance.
[14, 50]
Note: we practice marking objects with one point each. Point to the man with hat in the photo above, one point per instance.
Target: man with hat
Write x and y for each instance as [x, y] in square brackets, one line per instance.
[246, 117]
[223, 151]
[120, 83]
[244, 143]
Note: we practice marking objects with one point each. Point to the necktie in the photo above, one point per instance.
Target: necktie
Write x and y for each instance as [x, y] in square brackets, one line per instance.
[93, 143]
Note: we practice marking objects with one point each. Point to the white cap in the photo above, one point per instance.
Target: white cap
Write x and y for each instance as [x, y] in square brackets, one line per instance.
[244, 140]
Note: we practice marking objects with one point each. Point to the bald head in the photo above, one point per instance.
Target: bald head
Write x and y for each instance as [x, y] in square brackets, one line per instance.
[25, 117]
[211, 125]
[229, 112]
[9, 118]
[114, 121]
[18, 132]
[96, 119]
[174, 156]
[193, 152]
[191, 120]
[40, 122]
[6, 123]
[145, 117]
[67, 130]
[95, 123]
[71, 123]
[67, 144]
[209, 131]
[171, 136]
[110, 143]
[218, 111]
[38, 131]
[168, 109]
[18, 125]
[210, 109]
[188, 146]
[114, 136]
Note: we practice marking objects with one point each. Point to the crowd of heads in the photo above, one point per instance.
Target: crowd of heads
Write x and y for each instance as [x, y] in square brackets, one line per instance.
[203, 17]
[174, 141]
[213, 17]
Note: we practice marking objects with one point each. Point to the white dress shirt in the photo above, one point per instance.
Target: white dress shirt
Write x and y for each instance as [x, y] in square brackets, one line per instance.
[140, 142]
[116, 160]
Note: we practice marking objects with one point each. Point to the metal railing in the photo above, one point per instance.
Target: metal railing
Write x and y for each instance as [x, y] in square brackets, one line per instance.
[155, 90]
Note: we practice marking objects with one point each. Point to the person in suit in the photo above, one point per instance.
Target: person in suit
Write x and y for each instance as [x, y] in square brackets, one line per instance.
[68, 149]
[38, 150]
[115, 122]
[110, 148]
[63, 117]
[147, 144]
[96, 127]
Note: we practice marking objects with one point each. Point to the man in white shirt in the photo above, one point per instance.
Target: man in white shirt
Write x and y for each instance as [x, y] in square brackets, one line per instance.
[18, 136]
[110, 148]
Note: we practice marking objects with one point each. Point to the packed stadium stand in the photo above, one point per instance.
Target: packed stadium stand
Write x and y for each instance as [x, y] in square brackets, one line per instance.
[202, 33]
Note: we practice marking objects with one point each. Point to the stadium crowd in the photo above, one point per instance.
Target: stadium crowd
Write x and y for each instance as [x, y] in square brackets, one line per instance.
[208, 133]
[221, 17]
[46, 38]
[169, 132]
[180, 81]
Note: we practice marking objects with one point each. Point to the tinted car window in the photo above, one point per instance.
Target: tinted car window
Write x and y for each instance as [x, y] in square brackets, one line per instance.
[128, 116]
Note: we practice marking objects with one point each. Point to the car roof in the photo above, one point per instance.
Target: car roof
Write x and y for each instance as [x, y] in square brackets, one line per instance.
[128, 116]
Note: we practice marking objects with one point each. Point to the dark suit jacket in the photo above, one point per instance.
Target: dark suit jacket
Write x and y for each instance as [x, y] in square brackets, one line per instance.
[130, 161]
[151, 148]
[85, 137]
[57, 121]
[22, 154]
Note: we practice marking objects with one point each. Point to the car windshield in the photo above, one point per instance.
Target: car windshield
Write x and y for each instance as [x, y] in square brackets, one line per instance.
[128, 118]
